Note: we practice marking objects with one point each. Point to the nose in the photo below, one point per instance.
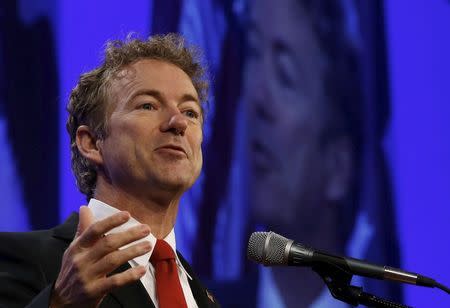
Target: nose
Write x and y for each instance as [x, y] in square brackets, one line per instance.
[261, 99]
[175, 124]
[262, 110]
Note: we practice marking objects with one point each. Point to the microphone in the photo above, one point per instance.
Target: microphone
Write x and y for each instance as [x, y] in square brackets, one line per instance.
[272, 249]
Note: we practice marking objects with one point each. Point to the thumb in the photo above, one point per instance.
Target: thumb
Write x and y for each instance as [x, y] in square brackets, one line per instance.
[86, 219]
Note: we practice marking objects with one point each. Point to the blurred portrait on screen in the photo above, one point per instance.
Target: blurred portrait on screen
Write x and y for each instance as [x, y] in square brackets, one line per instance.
[303, 96]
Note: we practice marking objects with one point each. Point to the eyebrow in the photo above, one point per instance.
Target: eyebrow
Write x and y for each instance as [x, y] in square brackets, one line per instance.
[156, 94]
[189, 97]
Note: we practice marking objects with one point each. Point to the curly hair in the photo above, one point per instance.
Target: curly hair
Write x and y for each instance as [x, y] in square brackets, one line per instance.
[89, 102]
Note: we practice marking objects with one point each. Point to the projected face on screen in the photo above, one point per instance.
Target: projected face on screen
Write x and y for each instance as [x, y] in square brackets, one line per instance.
[285, 100]
[298, 173]
[300, 163]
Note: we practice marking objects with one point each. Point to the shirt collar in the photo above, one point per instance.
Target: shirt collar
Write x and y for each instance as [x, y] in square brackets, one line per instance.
[101, 210]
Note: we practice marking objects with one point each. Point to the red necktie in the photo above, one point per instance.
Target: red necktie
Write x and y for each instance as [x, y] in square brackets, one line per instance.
[168, 287]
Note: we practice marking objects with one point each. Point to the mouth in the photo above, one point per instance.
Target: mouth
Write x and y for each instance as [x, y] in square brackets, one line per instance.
[173, 149]
[262, 161]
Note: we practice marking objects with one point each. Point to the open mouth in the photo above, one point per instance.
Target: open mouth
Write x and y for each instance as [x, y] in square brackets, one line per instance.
[260, 158]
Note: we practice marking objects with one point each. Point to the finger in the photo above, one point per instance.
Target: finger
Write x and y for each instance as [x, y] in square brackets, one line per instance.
[97, 230]
[119, 280]
[85, 220]
[112, 242]
[114, 259]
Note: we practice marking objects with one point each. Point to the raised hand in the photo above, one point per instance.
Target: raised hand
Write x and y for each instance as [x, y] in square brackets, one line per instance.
[84, 280]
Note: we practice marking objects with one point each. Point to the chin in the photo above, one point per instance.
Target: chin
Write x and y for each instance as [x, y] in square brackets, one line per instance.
[178, 175]
[264, 210]
[172, 185]
[176, 182]
[273, 211]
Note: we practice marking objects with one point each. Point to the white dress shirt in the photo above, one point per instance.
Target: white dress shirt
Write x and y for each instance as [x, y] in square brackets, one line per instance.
[102, 210]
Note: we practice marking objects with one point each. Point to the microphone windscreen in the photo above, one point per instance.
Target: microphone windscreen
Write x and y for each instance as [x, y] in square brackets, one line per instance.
[255, 247]
[268, 248]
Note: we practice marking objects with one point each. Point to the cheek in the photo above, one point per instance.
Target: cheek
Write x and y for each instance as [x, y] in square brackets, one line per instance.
[308, 171]
[197, 163]
[199, 153]
[200, 161]
[299, 131]
[195, 141]
[289, 139]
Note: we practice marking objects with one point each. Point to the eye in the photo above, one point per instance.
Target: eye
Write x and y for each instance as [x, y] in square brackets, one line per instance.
[192, 114]
[284, 64]
[147, 106]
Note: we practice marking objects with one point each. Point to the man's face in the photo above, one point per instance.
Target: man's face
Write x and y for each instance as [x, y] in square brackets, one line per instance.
[284, 93]
[155, 129]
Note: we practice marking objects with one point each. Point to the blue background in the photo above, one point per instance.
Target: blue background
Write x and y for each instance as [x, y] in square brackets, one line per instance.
[417, 143]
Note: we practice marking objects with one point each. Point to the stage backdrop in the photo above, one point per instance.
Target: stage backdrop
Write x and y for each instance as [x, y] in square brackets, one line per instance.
[328, 123]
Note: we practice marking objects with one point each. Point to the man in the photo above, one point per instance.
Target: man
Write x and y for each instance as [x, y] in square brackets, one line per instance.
[303, 94]
[135, 125]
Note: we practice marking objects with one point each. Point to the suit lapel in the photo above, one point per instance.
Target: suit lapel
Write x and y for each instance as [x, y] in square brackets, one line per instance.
[66, 231]
[132, 295]
[202, 296]
[199, 293]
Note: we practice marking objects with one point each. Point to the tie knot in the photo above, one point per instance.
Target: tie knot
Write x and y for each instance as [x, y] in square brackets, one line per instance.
[162, 251]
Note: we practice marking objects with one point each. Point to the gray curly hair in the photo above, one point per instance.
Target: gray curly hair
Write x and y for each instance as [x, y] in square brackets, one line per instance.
[89, 102]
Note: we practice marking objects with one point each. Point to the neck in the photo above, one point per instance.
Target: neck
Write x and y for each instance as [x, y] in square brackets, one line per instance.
[157, 209]
[323, 236]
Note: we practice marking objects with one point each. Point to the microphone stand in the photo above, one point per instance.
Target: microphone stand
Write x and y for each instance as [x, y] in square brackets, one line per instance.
[338, 282]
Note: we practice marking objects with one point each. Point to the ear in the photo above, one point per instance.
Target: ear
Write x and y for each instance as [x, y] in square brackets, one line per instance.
[339, 162]
[88, 145]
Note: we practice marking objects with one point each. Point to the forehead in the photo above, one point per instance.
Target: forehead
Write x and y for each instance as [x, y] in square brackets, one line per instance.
[159, 75]
[289, 21]
[288, 44]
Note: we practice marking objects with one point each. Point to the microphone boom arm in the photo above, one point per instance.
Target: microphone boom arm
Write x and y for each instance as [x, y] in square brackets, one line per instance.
[338, 281]
[272, 249]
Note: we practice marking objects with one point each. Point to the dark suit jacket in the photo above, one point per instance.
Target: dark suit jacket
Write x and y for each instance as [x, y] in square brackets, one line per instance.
[30, 263]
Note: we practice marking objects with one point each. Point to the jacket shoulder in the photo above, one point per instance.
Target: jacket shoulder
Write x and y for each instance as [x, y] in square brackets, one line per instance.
[43, 248]
[30, 262]
[37, 249]
[22, 274]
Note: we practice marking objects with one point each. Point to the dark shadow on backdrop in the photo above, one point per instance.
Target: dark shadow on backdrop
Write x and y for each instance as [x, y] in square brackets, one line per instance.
[30, 98]
[385, 246]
